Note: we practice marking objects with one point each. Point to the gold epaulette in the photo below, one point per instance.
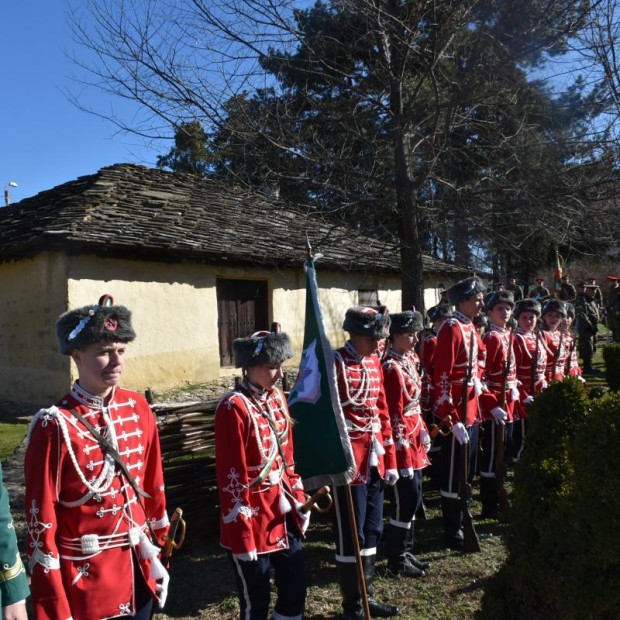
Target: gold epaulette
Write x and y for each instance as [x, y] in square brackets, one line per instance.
[9, 572]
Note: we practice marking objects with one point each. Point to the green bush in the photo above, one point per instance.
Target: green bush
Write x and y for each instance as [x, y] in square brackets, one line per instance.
[564, 531]
[611, 357]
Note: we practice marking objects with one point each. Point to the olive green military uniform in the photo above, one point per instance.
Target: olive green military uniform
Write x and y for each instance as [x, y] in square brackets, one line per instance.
[13, 582]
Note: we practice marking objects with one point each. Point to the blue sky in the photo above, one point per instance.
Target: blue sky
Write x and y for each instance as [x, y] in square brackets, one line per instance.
[46, 140]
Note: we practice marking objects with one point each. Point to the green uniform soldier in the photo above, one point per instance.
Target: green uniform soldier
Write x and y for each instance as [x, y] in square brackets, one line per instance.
[515, 289]
[13, 581]
[587, 319]
[613, 307]
[540, 292]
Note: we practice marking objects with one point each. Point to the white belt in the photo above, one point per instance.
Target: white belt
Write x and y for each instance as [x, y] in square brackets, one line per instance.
[92, 544]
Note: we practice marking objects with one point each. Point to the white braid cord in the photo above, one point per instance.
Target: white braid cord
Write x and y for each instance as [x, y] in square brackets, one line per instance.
[104, 480]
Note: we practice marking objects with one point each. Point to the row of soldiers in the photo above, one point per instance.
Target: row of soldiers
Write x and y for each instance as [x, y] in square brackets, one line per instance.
[396, 392]
[95, 497]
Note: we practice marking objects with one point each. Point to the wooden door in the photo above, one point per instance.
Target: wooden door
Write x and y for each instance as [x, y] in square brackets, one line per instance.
[242, 309]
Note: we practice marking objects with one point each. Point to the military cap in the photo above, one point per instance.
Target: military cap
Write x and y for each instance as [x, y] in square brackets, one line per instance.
[527, 305]
[613, 278]
[406, 322]
[554, 305]
[464, 289]
[262, 347]
[102, 322]
[366, 321]
[440, 311]
[499, 297]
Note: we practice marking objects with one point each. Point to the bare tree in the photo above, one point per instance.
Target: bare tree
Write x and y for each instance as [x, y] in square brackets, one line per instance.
[430, 70]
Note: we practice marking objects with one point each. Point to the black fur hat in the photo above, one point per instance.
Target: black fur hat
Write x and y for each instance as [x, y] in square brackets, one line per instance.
[499, 297]
[527, 305]
[464, 289]
[367, 322]
[103, 322]
[554, 305]
[440, 311]
[262, 348]
[406, 322]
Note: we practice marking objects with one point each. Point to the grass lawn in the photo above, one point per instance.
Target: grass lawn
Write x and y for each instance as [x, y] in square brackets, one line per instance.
[11, 436]
[202, 583]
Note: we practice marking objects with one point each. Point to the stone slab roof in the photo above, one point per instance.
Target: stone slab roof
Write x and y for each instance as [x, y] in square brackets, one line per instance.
[130, 211]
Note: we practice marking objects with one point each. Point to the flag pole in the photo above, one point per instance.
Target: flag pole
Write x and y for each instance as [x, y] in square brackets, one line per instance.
[358, 554]
[351, 510]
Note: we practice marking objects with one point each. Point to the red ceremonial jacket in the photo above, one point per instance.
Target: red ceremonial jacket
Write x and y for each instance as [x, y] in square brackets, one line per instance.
[499, 349]
[572, 368]
[255, 469]
[557, 345]
[427, 350]
[403, 387]
[360, 388]
[84, 518]
[525, 350]
[454, 339]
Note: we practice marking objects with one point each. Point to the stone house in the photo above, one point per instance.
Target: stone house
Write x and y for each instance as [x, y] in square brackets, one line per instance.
[198, 263]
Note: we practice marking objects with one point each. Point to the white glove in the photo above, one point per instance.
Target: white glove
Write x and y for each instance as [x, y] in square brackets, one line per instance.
[460, 432]
[514, 392]
[478, 387]
[391, 476]
[248, 556]
[499, 415]
[425, 438]
[147, 550]
[304, 518]
[406, 472]
[580, 378]
[528, 400]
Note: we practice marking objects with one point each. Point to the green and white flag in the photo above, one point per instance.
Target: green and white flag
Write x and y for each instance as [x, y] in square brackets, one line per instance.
[323, 452]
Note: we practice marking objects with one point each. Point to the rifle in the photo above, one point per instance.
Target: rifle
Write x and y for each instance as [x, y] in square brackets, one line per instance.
[534, 370]
[500, 439]
[175, 538]
[471, 543]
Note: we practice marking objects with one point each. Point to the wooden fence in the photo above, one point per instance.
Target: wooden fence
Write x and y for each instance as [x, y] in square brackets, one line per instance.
[187, 436]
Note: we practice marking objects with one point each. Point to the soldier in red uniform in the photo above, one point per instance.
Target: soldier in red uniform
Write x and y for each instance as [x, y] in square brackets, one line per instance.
[261, 520]
[531, 362]
[94, 484]
[456, 361]
[360, 388]
[403, 387]
[553, 317]
[572, 368]
[436, 315]
[499, 374]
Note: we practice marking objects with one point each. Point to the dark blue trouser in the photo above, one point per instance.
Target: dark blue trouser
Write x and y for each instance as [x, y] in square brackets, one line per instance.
[406, 499]
[253, 581]
[451, 463]
[368, 507]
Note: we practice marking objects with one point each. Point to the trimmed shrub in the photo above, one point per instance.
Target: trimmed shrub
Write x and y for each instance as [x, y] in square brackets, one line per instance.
[611, 357]
[564, 530]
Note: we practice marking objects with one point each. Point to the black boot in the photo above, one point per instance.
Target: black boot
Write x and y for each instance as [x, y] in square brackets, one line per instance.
[350, 589]
[399, 562]
[452, 523]
[489, 496]
[377, 608]
[409, 550]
